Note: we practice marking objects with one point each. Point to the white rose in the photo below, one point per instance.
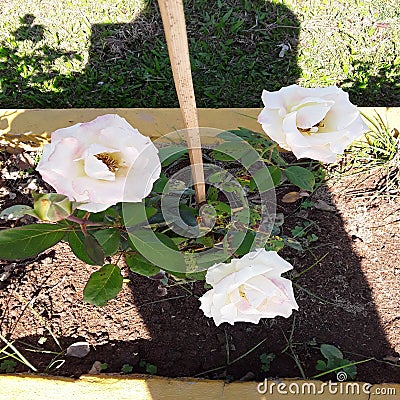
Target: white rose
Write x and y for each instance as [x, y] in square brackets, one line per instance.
[248, 289]
[100, 163]
[316, 123]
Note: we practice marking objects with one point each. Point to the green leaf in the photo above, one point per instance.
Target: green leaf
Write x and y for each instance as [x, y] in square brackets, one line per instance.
[293, 243]
[219, 156]
[221, 208]
[244, 245]
[275, 244]
[169, 154]
[329, 351]
[8, 366]
[160, 184]
[266, 360]
[108, 239]
[151, 369]
[137, 263]
[158, 248]
[239, 150]
[86, 248]
[188, 215]
[29, 240]
[127, 369]
[212, 193]
[300, 177]
[103, 285]
[136, 213]
[15, 212]
[76, 241]
[351, 370]
[321, 366]
[94, 250]
[263, 182]
[196, 276]
[298, 231]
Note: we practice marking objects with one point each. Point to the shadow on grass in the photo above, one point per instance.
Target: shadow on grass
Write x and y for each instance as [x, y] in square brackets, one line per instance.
[372, 89]
[234, 49]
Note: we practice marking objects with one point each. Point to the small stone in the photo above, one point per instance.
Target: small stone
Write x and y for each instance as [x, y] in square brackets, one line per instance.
[96, 368]
[78, 349]
[250, 376]
[32, 185]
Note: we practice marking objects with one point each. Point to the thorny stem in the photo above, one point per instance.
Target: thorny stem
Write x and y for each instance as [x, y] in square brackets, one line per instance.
[82, 221]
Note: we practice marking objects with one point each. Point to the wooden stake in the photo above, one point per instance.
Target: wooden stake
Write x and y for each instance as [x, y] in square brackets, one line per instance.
[173, 18]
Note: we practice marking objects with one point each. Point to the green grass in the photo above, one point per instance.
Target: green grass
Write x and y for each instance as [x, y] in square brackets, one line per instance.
[378, 153]
[113, 54]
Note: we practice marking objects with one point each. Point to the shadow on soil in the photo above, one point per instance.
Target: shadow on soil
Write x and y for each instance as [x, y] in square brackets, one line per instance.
[335, 301]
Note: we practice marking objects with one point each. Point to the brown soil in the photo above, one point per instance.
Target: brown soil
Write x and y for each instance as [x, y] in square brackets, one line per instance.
[348, 299]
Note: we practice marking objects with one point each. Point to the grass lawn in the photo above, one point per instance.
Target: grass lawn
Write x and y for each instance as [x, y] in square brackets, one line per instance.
[81, 53]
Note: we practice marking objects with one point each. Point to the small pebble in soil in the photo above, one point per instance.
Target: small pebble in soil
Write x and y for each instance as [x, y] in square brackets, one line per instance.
[250, 376]
[78, 349]
[96, 368]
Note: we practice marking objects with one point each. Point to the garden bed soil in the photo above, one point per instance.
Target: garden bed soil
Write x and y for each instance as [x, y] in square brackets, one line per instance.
[349, 298]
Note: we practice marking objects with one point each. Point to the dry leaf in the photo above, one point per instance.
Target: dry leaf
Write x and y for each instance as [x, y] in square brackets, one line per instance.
[291, 197]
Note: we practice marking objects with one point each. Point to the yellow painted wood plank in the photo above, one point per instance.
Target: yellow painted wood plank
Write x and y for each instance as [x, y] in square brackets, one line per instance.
[31, 128]
[144, 387]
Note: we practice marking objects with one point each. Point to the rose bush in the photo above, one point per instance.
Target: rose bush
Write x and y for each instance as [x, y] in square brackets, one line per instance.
[100, 163]
[248, 289]
[316, 123]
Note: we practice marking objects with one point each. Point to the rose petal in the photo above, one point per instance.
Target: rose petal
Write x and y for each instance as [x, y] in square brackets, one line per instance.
[96, 169]
[294, 107]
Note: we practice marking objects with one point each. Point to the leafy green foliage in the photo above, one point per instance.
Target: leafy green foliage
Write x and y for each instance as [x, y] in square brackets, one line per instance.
[103, 285]
[301, 177]
[266, 360]
[379, 152]
[29, 240]
[136, 213]
[149, 368]
[108, 239]
[86, 247]
[307, 203]
[170, 154]
[8, 366]
[334, 361]
[127, 369]
[262, 182]
[139, 264]
[158, 248]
